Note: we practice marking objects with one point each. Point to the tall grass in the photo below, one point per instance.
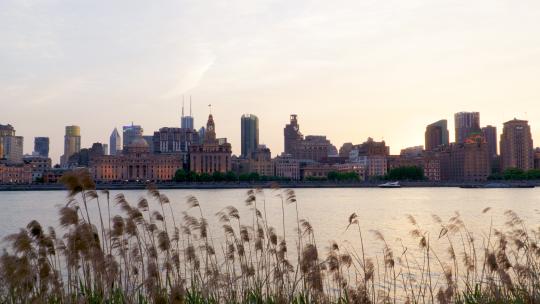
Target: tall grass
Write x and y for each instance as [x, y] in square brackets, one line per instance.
[150, 256]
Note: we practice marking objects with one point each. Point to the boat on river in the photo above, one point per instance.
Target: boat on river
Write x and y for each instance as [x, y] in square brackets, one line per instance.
[390, 185]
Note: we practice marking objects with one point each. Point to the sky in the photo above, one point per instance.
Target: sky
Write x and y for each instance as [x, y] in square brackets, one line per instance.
[349, 69]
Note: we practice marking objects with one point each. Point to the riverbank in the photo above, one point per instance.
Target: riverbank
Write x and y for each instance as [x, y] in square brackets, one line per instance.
[249, 185]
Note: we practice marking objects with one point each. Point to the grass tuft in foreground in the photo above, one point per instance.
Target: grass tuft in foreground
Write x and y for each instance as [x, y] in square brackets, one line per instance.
[151, 256]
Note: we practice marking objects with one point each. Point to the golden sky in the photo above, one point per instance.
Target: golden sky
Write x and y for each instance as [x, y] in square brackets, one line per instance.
[349, 69]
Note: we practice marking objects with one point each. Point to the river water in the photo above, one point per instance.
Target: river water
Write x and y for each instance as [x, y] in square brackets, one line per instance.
[328, 210]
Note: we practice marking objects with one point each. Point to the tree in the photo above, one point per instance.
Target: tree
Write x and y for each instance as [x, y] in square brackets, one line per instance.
[218, 176]
[405, 173]
[231, 176]
[180, 176]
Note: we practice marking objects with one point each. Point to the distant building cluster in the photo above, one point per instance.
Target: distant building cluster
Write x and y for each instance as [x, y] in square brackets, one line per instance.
[131, 155]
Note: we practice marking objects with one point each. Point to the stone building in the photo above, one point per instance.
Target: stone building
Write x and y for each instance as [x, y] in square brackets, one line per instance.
[468, 161]
[39, 165]
[15, 173]
[261, 162]
[210, 156]
[517, 145]
[135, 163]
[286, 166]
[436, 135]
[312, 147]
[175, 141]
[466, 124]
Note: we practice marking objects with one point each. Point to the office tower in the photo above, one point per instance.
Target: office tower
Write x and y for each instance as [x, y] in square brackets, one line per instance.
[250, 134]
[13, 148]
[202, 134]
[490, 135]
[187, 122]
[466, 123]
[5, 131]
[175, 141]
[211, 156]
[41, 146]
[130, 133]
[517, 145]
[105, 149]
[468, 161]
[115, 142]
[436, 135]
[72, 143]
[292, 134]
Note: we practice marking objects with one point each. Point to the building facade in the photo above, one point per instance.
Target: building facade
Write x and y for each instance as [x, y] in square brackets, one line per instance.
[175, 141]
[490, 134]
[15, 173]
[135, 163]
[72, 143]
[13, 149]
[285, 166]
[466, 124]
[517, 145]
[436, 135]
[130, 133]
[39, 164]
[468, 161]
[537, 158]
[260, 162]
[210, 156]
[41, 146]
[249, 125]
[115, 142]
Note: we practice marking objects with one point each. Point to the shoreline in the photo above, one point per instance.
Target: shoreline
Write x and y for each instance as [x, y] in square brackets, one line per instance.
[267, 185]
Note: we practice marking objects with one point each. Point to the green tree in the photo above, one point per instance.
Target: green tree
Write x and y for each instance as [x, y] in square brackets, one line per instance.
[231, 176]
[218, 176]
[405, 173]
[180, 176]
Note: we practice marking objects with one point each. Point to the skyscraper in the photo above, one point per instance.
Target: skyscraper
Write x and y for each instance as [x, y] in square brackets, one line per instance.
[13, 148]
[187, 122]
[292, 134]
[249, 134]
[436, 134]
[517, 145]
[466, 123]
[130, 133]
[41, 146]
[72, 143]
[5, 131]
[115, 142]
[490, 135]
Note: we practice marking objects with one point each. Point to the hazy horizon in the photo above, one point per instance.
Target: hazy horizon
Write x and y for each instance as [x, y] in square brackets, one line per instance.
[349, 69]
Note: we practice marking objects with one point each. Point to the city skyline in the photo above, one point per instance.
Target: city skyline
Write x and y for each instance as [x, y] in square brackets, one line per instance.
[236, 147]
[349, 64]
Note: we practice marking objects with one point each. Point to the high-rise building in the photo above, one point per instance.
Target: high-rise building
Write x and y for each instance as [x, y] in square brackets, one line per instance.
[249, 134]
[211, 156]
[187, 122]
[13, 149]
[292, 134]
[41, 146]
[5, 131]
[72, 143]
[130, 133]
[517, 145]
[175, 141]
[490, 134]
[468, 161]
[466, 124]
[436, 134]
[115, 142]
[312, 147]
[105, 149]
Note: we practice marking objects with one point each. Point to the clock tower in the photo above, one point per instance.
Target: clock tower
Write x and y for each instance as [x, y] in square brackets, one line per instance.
[210, 134]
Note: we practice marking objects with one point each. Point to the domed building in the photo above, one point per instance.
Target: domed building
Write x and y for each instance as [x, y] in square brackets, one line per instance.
[135, 163]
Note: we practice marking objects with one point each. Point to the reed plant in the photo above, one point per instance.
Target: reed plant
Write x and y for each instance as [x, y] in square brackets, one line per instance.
[142, 255]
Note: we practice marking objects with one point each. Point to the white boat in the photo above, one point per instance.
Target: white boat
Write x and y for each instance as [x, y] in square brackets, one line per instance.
[390, 185]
